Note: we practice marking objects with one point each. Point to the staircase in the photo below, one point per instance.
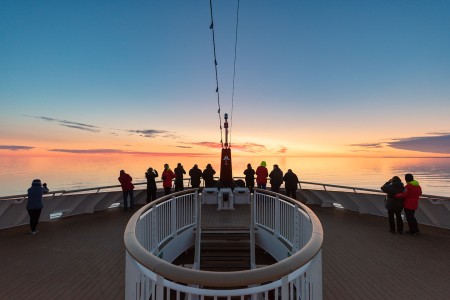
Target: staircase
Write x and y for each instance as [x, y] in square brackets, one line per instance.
[225, 250]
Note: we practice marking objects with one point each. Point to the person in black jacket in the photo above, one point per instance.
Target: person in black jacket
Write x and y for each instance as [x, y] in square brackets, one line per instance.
[290, 183]
[196, 175]
[179, 171]
[208, 176]
[35, 204]
[394, 205]
[276, 179]
[249, 178]
[151, 174]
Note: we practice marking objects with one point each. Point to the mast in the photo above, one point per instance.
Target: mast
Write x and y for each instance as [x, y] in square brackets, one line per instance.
[226, 172]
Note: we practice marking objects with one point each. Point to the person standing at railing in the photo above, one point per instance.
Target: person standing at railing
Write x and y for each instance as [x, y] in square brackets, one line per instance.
[249, 177]
[34, 204]
[196, 174]
[276, 179]
[179, 171]
[261, 175]
[167, 177]
[127, 189]
[290, 184]
[394, 205]
[151, 175]
[411, 196]
[208, 176]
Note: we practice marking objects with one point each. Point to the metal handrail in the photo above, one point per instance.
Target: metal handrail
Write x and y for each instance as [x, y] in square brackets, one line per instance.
[223, 279]
[324, 185]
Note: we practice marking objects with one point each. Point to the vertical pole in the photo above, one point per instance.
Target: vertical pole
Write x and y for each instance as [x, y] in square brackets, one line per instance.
[252, 232]
[159, 287]
[277, 224]
[173, 216]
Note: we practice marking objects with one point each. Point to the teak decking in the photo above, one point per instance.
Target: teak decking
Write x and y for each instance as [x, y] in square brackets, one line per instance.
[83, 257]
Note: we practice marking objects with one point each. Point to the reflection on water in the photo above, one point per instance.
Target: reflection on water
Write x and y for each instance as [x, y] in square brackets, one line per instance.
[72, 172]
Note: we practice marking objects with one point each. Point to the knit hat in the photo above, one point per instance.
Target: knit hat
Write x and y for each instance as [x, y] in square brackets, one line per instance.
[263, 163]
[36, 182]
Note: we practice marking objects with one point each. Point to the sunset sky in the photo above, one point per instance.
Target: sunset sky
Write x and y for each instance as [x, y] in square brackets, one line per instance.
[313, 78]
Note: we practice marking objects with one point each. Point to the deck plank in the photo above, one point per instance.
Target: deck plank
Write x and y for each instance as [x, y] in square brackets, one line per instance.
[83, 257]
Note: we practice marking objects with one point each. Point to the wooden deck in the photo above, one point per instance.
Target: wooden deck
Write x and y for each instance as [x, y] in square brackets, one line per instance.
[83, 257]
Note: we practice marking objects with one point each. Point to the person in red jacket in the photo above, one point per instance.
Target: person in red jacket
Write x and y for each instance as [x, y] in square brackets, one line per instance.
[167, 177]
[261, 175]
[411, 196]
[127, 188]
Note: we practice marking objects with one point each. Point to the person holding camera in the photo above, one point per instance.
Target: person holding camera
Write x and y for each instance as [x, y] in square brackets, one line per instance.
[167, 177]
[35, 204]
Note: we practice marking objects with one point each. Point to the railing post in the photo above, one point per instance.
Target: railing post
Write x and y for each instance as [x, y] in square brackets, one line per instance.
[154, 230]
[173, 215]
[284, 288]
[277, 225]
[252, 232]
[297, 227]
[198, 231]
[159, 287]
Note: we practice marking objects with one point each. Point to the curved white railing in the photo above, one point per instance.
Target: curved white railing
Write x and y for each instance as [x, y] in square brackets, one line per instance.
[296, 246]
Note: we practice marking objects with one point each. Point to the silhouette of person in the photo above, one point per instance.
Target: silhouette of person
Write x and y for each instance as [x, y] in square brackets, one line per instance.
[167, 176]
[394, 205]
[179, 171]
[196, 174]
[290, 184]
[276, 179]
[208, 176]
[411, 196]
[261, 175]
[151, 176]
[127, 189]
[249, 177]
[35, 204]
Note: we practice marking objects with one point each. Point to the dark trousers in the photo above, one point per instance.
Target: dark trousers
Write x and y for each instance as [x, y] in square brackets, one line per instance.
[125, 202]
[291, 193]
[250, 185]
[262, 186]
[167, 190]
[179, 186]
[275, 188]
[397, 212]
[151, 194]
[411, 219]
[34, 218]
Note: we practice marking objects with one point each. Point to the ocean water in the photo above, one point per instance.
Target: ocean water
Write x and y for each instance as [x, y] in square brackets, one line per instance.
[75, 172]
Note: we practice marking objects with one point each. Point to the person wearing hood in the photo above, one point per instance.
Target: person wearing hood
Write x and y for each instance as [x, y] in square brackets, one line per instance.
[208, 176]
[249, 178]
[127, 189]
[276, 179]
[261, 175]
[34, 204]
[196, 174]
[394, 205]
[179, 171]
[167, 177]
[151, 176]
[290, 183]
[411, 196]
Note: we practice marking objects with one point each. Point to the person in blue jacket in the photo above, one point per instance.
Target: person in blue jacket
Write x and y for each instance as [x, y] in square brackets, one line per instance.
[34, 204]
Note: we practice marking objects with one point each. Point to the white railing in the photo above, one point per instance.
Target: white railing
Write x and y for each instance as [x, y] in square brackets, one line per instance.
[433, 210]
[297, 274]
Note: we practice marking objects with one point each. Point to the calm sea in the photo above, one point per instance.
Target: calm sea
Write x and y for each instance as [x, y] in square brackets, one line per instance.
[75, 172]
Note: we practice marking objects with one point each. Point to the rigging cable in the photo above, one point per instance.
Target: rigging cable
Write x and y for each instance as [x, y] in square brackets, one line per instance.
[215, 66]
[234, 68]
